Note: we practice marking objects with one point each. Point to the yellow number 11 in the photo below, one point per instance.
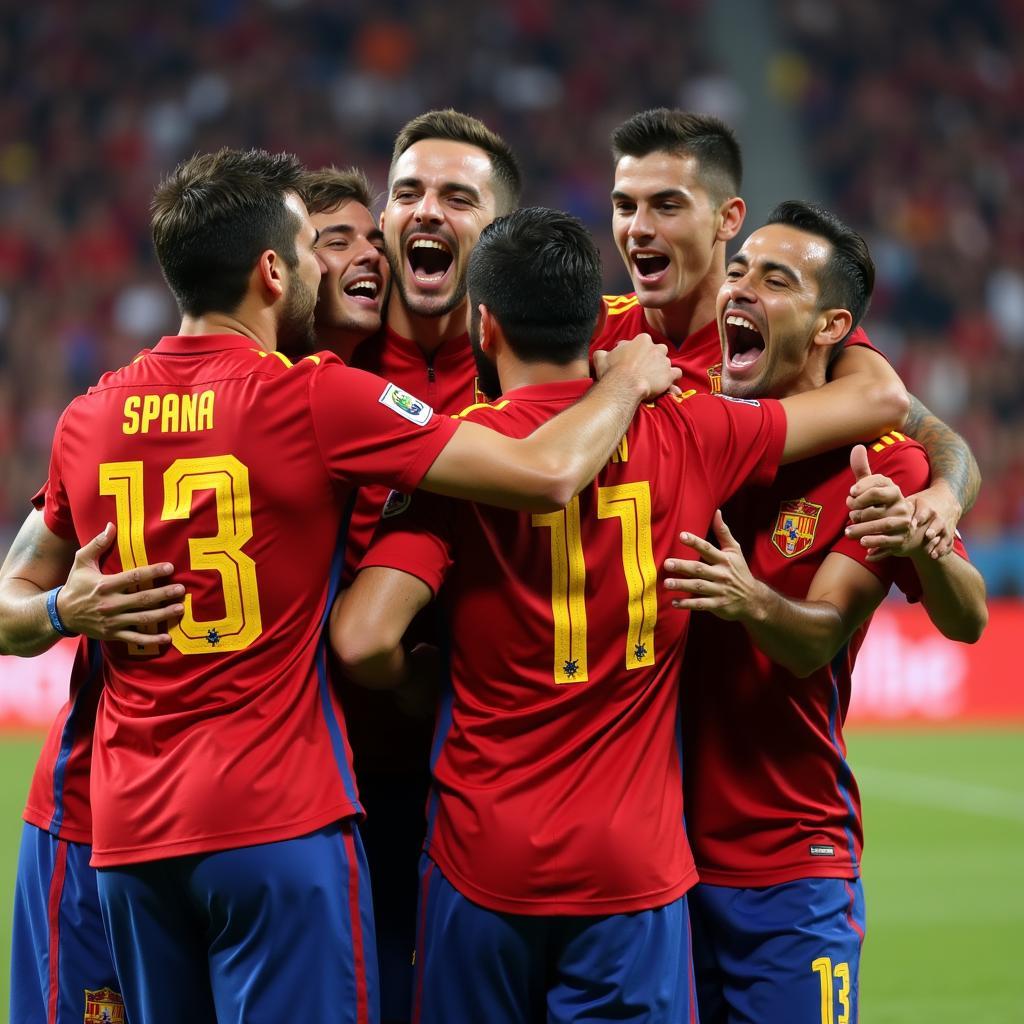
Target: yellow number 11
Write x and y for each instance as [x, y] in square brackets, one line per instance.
[631, 505]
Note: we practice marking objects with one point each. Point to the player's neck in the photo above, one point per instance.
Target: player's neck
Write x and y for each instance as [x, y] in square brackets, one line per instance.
[339, 341]
[814, 375]
[678, 320]
[227, 323]
[513, 373]
[429, 332]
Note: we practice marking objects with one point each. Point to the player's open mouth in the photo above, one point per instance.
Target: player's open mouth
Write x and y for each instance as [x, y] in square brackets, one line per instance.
[365, 290]
[429, 260]
[744, 343]
[650, 266]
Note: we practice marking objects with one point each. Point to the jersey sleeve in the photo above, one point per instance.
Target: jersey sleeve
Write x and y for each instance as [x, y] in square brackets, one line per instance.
[414, 534]
[370, 431]
[53, 498]
[906, 464]
[858, 339]
[740, 440]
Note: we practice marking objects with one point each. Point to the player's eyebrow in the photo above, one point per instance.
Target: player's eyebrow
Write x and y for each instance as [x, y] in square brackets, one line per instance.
[376, 235]
[665, 193]
[769, 267]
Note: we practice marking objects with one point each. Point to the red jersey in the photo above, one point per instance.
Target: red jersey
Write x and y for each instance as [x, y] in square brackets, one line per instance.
[699, 355]
[236, 466]
[384, 740]
[557, 785]
[58, 798]
[769, 795]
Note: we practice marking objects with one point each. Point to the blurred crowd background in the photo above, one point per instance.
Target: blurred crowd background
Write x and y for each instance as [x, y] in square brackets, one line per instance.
[905, 118]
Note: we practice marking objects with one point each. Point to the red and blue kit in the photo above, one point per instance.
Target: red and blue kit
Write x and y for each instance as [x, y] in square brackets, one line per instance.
[209, 452]
[769, 795]
[699, 355]
[556, 765]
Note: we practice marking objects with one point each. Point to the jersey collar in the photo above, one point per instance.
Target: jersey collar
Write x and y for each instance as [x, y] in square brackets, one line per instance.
[553, 391]
[199, 344]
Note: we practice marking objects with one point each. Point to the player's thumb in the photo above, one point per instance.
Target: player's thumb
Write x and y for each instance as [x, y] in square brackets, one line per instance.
[859, 462]
[722, 532]
[92, 551]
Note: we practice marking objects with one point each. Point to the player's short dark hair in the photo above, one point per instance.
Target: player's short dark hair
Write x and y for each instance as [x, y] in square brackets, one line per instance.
[330, 187]
[681, 133]
[507, 180]
[848, 278]
[213, 215]
[539, 273]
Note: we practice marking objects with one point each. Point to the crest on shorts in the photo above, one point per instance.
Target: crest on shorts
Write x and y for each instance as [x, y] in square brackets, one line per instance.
[794, 529]
[104, 1006]
[715, 378]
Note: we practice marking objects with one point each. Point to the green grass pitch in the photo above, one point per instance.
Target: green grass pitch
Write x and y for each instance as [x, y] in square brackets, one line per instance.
[944, 820]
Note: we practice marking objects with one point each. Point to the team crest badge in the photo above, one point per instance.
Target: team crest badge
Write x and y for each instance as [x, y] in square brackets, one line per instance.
[794, 529]
[396, 504]
[406, 405]
[715, 378]
[104, 1006]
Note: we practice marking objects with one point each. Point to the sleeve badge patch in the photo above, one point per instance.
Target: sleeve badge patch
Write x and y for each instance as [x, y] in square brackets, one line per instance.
[103, 1006]
[406, 406]
[795, 527]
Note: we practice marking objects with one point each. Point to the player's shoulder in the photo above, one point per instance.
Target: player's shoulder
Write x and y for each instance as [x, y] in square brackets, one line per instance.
[893, 454]
[894, 446]
[623, 318]
[619, 305]
[491, 414]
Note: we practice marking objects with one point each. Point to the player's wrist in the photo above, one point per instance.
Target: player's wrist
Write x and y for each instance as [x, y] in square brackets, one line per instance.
[56, 614]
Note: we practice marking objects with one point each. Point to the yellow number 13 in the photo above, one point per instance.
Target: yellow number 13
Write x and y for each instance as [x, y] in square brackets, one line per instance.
[229, 480]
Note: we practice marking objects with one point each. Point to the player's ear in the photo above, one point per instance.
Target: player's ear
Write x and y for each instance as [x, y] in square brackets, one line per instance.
[833, 325]
[731, 214]
[270, 270]
[490, 331]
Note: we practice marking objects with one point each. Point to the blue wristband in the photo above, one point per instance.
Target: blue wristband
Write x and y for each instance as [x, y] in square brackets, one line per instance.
[51, 610]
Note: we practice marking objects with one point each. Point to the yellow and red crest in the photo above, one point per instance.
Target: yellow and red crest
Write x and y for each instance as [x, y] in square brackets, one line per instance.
[104, 1006]
[795, 526]
[715, 378]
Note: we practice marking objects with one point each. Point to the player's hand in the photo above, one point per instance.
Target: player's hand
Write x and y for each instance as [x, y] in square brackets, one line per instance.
[937, 511]
[648, 364]
[720, 582]
[118, 606]
[881, 518]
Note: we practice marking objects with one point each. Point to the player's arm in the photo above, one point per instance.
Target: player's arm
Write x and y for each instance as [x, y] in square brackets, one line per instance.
[956, 478]
[955, 474]
[369, 621]
[801, 636]
[89, 602]
[861, 402]
[546, 470]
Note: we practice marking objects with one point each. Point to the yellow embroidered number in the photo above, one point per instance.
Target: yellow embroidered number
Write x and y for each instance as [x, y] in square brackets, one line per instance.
[229, 480]
[631, 505]
[568, 577]
[123, 482]
[825, 971]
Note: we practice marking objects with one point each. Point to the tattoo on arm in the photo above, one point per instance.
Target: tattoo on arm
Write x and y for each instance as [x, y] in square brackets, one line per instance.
[950, 457]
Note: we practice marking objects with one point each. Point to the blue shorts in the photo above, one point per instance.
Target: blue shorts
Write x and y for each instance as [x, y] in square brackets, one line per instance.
[784, 954]
[474, 964]
[276, 932]
[59, 951]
